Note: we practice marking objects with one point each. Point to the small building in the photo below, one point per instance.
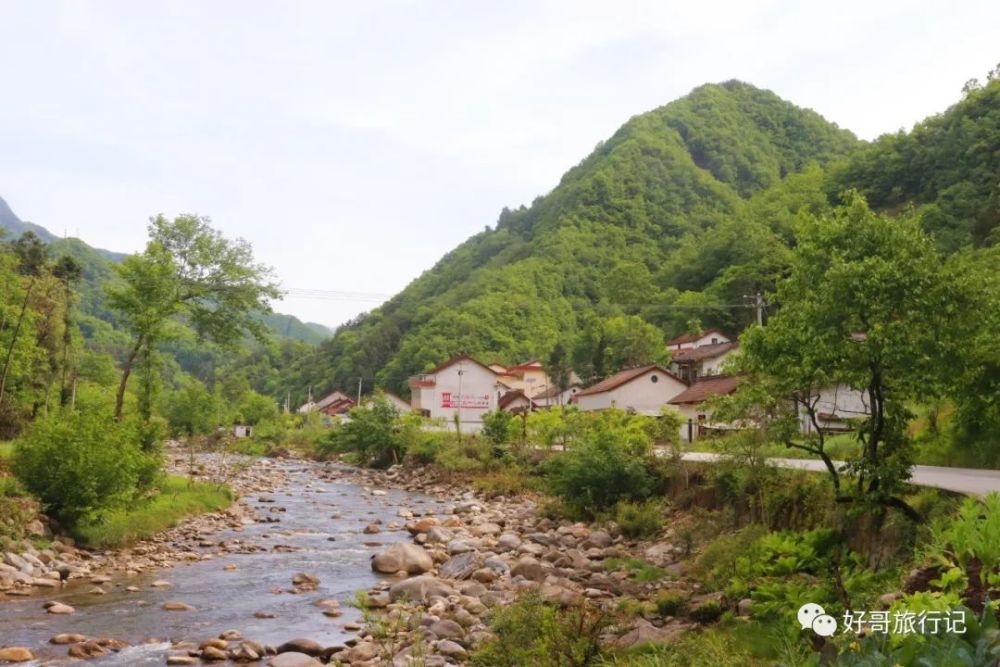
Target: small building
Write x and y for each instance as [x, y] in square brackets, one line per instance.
[691, 341]
[461, 388]
[691, 403]
[836, 408]
[323, 405]
[340, 406]
[693, 363]
[515, 401]
[395, 401]
[643, 390]
[242, 431]
[529, 377]
[553, 396]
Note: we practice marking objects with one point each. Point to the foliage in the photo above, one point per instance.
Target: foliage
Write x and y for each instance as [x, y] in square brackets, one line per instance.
[636, 568]
[82, 464]
[862, 308]
[499, 428]
[192, 410]
[595, 476]
[173, 499]
[970, 536]
[670, 603]
[639, 520]
[530, 632]
[187, 270]
[371, 434]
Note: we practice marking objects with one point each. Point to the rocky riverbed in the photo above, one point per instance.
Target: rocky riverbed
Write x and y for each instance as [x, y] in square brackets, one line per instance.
[273, 578]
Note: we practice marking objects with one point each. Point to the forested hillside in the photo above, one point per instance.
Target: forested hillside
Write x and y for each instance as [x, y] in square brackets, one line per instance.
[665, 227]
[615, 256]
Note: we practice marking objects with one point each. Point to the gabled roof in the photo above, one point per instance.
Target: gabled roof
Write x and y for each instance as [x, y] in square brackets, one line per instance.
[533, 365]
[554, 391]
[512, 396]
[455, 360]
[690, 338]
[335, 395]
[703, 352]
[624, 377]
[706, 388]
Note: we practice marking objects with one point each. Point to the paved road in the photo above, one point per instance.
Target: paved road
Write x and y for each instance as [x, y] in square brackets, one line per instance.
[963, 480]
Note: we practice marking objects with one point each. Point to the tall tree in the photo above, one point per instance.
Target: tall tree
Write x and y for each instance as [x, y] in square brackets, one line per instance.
[32, 255]
[190, 271]
[864, 306]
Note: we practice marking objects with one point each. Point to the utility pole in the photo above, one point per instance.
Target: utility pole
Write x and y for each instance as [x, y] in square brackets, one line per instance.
[758, 305]
[360, 380]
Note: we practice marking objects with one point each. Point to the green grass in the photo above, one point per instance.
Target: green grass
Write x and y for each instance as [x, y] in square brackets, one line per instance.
[6, 450]
[178, 498]
[637, 569]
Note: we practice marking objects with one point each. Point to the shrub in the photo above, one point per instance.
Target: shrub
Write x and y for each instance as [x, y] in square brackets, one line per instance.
[596, 476]
[530, 632]
[670, 603]
[498, 428]
[639, 519]
[81, 463]
[372, 434]
[420, 444]
[707, 612]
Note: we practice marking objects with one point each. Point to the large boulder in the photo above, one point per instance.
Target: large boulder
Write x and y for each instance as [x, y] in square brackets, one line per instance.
[529, 568]
[293, 659]
[403, 557]
[15, 654]
[461, 566]
[306, 646]
[419, 589]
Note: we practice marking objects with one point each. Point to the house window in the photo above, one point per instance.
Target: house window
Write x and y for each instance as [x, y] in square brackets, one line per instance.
[654, 379]
[715, 341]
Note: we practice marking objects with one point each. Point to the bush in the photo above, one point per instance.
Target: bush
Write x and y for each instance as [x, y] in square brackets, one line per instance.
[671, 603]
[707, 612]
[81, 464]
[530, 632]
[372, 435]
[639, 519]
[596, 476]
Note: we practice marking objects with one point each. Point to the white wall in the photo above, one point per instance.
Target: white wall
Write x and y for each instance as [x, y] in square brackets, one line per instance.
[468, 395]
[641, 395]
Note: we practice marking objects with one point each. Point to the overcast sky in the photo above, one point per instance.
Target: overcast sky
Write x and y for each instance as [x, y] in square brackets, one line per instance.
[354, 143]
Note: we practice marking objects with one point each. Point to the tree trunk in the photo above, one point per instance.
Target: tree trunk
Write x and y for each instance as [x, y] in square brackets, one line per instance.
[126, 372]
[13, 340]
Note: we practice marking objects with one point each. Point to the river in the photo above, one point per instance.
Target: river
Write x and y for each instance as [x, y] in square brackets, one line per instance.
[322, 524]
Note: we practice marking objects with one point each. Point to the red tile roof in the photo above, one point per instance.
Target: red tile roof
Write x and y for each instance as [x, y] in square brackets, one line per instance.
[706, 388]
[690, 338]
[624, 377]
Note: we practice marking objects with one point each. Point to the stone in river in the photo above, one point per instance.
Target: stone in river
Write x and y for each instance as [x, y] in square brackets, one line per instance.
[175, 605]
[67, 638]
[15, 654]
[306, 646]
[181, 660]
[293, 659]
[213, 654]
[87, 650]
[59, 608]
[408, 557]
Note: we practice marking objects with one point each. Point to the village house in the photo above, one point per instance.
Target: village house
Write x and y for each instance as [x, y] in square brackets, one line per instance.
[693, 363]
[461, 388]
[691, 341]
[402, 407]
[554, 396]
[515, 401]
[529, 377]
[836, 407]
[691, 403]
[334, 403]
[643, 390]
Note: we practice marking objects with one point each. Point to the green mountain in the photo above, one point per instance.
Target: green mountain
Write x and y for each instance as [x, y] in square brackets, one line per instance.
[609, 251]
[97, 270]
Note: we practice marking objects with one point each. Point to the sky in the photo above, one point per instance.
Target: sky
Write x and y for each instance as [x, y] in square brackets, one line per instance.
[355, 143]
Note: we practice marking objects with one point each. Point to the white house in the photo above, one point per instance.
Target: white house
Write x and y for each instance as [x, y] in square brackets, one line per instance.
[691, 404]
[836, 407]
[693, 363]
[554, 396]
[334, 399]
[402, 407]
[644, 390]
[691, 341]
[461, 387]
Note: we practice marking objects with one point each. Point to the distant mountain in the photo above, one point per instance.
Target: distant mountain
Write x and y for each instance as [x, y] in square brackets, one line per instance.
[97, 271]
[618, 237]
